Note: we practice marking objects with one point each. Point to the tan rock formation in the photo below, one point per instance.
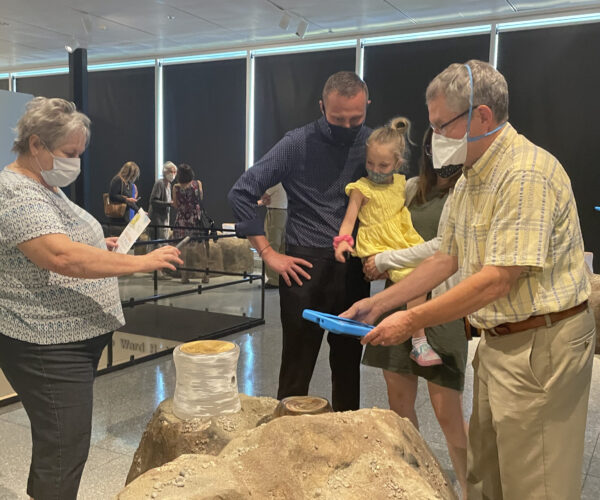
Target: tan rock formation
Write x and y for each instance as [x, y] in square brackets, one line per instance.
[166, 437]
[226, 254]
[367, 454]
[195, 257]
[237, 256]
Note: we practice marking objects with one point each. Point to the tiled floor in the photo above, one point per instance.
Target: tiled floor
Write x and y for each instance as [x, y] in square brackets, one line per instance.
[125, 400]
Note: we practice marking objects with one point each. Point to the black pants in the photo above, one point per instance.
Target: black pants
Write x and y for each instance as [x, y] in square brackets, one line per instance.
[333, 288]
[55, 384]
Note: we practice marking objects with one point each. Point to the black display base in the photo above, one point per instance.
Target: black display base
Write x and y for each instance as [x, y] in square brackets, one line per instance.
[181, 324]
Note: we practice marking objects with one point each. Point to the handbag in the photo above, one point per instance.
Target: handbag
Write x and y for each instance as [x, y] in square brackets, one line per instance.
[113, 210]
[205, 222]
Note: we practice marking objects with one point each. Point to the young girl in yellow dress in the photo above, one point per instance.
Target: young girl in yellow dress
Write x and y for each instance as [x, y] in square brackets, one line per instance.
[384, 221]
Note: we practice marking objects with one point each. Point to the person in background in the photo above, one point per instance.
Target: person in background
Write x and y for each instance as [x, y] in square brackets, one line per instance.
[513, 235]
[135, 196]
[275, 200]
[59, 296]
[122, 191]
[161, 200]
[187, 200]
[428, 198]
[313, 163]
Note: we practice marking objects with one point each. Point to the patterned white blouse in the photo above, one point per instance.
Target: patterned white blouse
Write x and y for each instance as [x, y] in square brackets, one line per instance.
[37, 305]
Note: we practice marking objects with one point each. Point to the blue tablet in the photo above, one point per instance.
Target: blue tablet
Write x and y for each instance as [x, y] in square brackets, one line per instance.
[335, 324]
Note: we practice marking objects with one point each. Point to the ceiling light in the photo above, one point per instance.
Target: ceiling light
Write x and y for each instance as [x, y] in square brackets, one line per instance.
[301, 30]
[72, 46]
[285, 21]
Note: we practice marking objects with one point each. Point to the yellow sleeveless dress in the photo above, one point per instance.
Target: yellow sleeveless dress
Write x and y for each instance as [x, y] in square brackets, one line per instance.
[384, 220]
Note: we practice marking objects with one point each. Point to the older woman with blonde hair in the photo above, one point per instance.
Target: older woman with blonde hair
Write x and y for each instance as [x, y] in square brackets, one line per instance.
[59, 296]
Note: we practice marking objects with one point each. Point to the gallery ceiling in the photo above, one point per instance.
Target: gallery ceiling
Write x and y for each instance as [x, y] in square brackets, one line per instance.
[34, 33]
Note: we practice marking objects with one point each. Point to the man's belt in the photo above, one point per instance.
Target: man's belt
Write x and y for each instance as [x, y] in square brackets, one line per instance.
[536, 321]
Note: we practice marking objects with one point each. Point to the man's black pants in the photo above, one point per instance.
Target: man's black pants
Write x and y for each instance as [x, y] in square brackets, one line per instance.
[333, 288]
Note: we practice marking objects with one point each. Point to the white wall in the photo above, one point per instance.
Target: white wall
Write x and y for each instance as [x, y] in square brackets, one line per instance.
[12, 106]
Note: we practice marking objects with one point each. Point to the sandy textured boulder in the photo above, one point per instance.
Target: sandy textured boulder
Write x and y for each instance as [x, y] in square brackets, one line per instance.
[226, 254]
[595, 304]
[237, 255]
[194, 256]
[142, 249]
[366, 454]
[166, 437]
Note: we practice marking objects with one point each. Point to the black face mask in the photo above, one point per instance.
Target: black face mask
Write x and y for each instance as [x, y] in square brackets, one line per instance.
[342, 135]
[448, 170]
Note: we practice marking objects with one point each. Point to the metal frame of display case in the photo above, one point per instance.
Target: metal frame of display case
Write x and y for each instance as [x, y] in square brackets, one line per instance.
[214, 234]
[133, 302]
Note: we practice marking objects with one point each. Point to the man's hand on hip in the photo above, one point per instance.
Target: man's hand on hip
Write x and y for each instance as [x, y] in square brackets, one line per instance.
[287, 266]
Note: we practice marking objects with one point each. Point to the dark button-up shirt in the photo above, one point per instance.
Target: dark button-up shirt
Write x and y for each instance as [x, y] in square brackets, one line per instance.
[314, 171]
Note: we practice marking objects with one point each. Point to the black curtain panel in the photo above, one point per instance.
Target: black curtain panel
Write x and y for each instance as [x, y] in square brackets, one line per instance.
[398, 75]
[4, 84]
[121, 107]
[287, 91]
[45, 86]
[205, 126]
[554, 102]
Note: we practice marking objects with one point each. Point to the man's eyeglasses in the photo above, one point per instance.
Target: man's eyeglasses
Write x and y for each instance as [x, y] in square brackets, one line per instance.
[444, 125]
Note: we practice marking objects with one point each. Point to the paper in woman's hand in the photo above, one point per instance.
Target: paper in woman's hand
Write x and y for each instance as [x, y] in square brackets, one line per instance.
[132, 232]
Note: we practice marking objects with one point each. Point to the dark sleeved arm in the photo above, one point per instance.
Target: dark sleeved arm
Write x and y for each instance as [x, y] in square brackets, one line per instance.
[271, 169]
[116, 190]
[156, 197]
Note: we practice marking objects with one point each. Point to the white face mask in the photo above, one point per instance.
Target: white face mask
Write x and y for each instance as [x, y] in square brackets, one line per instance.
[447, 151]
[64, 171]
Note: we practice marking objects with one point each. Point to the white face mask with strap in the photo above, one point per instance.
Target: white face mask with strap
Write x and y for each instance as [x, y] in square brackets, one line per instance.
[64, 171]
[448, 152]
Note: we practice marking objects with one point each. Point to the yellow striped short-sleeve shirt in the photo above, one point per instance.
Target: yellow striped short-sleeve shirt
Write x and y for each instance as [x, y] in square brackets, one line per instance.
[515, 207]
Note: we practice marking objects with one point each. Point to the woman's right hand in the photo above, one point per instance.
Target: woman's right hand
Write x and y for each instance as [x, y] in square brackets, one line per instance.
[371, 271]
[161, 258]
[130, 200]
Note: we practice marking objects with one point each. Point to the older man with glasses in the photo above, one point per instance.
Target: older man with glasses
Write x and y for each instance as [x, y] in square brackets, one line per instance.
[514, 236]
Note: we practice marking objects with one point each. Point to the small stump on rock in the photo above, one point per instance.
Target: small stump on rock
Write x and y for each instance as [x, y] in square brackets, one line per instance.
[302, 405]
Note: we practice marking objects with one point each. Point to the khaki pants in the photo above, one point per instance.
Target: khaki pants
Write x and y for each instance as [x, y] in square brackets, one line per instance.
[530, 400]
[275, 232]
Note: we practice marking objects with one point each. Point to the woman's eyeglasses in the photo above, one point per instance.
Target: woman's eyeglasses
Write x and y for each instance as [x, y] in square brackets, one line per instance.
[427, 150]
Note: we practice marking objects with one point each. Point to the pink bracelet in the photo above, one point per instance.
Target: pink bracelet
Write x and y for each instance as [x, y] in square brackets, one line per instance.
[343, 237]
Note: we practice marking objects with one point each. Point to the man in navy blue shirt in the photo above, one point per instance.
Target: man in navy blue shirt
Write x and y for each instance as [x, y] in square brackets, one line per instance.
[314, 163]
